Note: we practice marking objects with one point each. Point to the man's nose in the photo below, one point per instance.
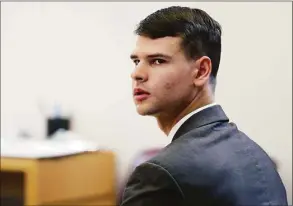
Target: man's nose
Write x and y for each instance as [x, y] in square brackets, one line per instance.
[140, 74]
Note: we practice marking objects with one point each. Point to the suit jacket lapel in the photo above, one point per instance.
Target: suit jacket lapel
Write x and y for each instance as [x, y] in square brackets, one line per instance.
[207, 116]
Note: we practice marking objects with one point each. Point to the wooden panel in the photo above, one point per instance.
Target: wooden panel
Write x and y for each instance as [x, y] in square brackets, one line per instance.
[90, 201]
[12, 184]
[78, 176]
[17, 164]
[32, 185]
[84, 179]
[29, 169]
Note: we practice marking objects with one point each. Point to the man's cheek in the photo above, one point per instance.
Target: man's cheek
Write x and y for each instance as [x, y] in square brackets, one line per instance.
[169, 86]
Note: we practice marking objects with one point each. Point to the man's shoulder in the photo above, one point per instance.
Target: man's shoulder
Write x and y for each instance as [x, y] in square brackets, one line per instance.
[200, 148]
[210, 154]
[214, 161]
[221, 161]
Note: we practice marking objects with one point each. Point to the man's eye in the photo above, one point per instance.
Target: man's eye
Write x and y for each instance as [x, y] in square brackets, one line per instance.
[158, 61]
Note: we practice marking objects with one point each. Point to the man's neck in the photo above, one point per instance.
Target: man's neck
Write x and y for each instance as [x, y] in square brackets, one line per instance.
[166, 122]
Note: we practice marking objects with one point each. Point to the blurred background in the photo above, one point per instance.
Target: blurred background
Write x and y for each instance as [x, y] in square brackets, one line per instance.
[71, 60]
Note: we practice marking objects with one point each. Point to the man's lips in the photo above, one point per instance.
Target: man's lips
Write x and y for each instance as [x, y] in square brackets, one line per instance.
[140, 94]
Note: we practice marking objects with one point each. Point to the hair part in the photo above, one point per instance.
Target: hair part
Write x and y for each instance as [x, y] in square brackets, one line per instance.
[200, 33]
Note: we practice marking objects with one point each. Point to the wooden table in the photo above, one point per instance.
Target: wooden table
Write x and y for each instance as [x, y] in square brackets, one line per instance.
[76, 180]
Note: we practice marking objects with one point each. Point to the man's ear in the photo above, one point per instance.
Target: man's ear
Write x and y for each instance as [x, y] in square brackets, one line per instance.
[202, 71]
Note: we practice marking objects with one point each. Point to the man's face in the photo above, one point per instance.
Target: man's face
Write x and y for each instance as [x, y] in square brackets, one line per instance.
[162, 77]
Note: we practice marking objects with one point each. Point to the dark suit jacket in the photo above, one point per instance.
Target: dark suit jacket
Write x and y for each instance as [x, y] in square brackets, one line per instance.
[209, 162]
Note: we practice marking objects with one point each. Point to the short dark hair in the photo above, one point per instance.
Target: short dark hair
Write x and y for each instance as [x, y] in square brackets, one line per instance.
[200, 33]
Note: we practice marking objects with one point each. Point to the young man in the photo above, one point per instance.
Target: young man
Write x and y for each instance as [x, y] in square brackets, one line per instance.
[209, 161]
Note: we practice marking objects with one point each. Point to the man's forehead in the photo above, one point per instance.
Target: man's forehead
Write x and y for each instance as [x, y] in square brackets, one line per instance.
[165, 45]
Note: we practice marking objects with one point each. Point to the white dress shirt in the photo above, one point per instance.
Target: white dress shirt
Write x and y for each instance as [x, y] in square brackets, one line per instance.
[178, 124]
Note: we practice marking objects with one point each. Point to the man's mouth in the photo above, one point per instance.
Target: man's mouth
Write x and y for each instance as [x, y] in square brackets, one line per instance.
[140, 94]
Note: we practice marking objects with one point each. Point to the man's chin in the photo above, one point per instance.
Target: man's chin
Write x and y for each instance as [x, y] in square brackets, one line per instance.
[144, 111]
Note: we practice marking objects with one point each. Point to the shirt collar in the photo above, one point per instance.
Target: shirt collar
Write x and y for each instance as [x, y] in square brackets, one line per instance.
[178, 124]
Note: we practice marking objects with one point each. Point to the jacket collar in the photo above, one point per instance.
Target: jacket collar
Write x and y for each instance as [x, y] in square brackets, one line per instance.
[207, 116]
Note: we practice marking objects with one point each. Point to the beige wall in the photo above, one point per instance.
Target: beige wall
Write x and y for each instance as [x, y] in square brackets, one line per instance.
[78, 54]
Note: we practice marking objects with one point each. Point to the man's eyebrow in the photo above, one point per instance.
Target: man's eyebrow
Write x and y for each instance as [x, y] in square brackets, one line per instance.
[159, 55]
[133, 56]
[156, 55]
